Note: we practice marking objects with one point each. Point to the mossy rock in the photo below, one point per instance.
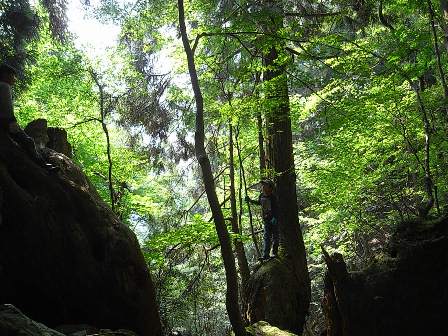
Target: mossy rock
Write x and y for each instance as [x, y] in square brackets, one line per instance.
[273, 296]
[263, 328]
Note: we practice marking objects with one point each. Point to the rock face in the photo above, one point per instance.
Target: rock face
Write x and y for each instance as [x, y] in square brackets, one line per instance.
[50, 137]
[58, 141]
[37, 129]
[13, 322]
[65, 258]
[404, 294]
[263, 328]
[270, 296]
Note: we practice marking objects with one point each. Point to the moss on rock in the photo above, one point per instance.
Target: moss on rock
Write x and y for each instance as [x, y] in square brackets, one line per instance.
[263, 328]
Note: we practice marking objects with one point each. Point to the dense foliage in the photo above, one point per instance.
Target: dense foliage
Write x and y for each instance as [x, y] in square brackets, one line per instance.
[368, 102]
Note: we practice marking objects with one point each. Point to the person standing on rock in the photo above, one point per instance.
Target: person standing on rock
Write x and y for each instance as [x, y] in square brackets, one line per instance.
[8, 122]
[269, 209]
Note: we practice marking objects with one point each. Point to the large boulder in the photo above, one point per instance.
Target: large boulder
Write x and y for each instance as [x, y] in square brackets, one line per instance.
[58, 141]
[37, 129]
[263, 328]
[51, 137]
[272, 295]
[13, 322]
[402, 293]
[65, 257]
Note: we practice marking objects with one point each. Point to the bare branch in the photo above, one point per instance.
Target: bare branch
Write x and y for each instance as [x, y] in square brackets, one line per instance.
[83, 122]
[382, 18]
[308, 15]
[235, 34]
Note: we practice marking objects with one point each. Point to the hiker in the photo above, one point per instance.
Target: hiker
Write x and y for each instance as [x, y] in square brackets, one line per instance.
[269, 209]
[8, 122]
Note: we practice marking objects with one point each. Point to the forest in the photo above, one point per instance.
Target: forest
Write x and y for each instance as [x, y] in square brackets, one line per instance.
[340, 107]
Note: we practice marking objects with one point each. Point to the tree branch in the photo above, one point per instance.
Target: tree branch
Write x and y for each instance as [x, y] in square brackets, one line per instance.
[307, 15]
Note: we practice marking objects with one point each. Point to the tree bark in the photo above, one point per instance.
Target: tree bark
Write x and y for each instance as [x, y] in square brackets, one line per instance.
[261, 151]
[207, 177]
[292, 247]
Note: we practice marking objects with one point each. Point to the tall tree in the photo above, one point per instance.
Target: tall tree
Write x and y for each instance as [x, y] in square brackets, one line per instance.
[57, 14]
[282, 159]
[209, 183]
[18, 25]
[444, 9]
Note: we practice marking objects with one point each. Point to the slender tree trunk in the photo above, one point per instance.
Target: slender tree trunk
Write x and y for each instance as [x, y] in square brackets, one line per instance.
[444, 9]
[239, 246]
[232, 306]
[261, 151]
[382, 18]
[438, 56]
[251, 219]
[428, 182]
[109, 160]
[106, 133]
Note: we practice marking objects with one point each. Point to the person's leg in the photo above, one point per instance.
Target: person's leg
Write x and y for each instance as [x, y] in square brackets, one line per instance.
[267, 238]
[275, 236]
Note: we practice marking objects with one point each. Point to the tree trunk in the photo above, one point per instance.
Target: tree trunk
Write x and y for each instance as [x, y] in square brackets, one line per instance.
[261, 151]
[243, 177]
[207, 177]
[428, 182]
[292, 247]
[297, 294]
[444, 9]
[239, 246]
[437, 53]
[106, 133]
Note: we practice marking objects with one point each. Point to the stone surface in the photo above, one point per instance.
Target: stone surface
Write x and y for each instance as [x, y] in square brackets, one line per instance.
[54, 138]
[58, 141]
[14, 323]
[37, 129]
[403, 293]
[263, 328]
[270, 295]
[65, 258]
